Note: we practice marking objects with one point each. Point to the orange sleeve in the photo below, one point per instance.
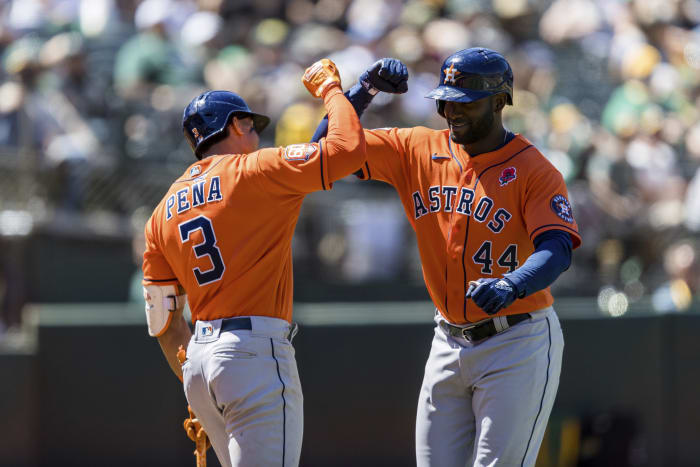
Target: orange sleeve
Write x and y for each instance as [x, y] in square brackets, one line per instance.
[387, 155]
[547, 205]
[307, 167]
[156, 269]
[345, 142]
[298, 168]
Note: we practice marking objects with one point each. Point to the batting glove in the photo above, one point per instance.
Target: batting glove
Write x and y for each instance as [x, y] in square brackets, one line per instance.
[387, 75]
[492, 295]
[321, 77]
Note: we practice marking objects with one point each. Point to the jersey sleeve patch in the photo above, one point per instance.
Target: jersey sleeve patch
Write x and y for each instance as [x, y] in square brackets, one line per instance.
[561, 207]
[299, 152]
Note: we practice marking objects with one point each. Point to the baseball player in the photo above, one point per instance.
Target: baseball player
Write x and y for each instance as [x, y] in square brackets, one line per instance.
[494, 228]
[222, 235]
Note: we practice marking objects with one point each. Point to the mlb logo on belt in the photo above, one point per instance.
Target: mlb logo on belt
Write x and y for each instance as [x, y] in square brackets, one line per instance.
[207, 330]
[507, 176]
[299, 152]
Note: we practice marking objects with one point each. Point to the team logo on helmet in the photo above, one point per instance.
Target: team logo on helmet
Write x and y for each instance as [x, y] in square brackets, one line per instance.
[196, 135]
[299, 152]
[561, 207]
[451, 74]
[507, 176]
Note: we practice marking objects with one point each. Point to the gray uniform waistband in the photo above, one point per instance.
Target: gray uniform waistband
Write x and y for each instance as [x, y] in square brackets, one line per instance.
[257, 325]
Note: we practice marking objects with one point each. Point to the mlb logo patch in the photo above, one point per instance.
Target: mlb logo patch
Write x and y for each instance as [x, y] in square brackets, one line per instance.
[299, 152]
[207, 330]
[561, 207]
[507, 176]
[196, 170]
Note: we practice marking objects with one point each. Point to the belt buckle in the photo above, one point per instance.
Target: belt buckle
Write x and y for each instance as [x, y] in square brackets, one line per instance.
[467, 332]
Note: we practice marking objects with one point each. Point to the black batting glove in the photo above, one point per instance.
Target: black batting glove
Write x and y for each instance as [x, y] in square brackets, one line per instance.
[492, 295]
[386, 75]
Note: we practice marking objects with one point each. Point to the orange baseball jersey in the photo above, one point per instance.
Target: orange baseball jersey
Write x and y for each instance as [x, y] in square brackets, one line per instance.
[473, 216]
[224, 229]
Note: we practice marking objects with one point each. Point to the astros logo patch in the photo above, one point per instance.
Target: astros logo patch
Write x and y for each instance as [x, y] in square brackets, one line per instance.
[299, 152]
[451, 74]
[507, 176]
[561, 207]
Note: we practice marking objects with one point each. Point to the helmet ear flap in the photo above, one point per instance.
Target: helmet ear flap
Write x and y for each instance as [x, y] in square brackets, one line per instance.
[440, 108]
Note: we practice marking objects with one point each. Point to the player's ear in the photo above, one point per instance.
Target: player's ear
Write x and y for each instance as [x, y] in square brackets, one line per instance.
[237, 126]
[498, 102]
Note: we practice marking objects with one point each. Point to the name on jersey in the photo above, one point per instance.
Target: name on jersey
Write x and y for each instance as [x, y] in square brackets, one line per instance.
[202, 191]
[446, 198]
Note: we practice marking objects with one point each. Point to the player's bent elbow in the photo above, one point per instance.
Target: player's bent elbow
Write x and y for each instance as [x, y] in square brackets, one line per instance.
[347, 147]
[355, 156]
[346, 163]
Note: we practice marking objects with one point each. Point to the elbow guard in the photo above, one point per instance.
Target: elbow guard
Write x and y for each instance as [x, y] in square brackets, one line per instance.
[162, 302]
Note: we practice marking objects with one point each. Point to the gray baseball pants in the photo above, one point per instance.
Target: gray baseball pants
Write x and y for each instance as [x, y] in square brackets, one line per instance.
[487, 403]
[244, 387]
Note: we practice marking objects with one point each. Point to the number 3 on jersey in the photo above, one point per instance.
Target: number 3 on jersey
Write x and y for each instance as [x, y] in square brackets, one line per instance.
[507, 260]
[206, 248]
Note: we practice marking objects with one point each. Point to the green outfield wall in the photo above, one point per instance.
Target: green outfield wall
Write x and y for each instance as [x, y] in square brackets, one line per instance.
[89, 387]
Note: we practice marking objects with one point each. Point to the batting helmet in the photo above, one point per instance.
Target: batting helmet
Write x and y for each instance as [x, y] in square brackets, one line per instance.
[472, 74]
[205, 118]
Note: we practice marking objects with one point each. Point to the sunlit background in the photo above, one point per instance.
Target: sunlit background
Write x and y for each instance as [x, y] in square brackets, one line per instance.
[91, 99]
[92, 92]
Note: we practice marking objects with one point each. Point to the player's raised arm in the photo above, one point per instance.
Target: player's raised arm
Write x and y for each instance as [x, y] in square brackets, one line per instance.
[385, 75]
[299, 169]
[345, 142]
[386, 148]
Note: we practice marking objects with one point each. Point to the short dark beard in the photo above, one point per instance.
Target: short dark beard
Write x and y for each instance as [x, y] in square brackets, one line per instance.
[478, 131]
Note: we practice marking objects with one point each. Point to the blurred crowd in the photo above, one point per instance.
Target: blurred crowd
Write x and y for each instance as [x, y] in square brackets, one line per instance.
[92, 92]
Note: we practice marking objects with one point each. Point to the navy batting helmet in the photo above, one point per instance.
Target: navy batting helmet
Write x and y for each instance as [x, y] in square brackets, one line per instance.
[472, 74]
[206, 117]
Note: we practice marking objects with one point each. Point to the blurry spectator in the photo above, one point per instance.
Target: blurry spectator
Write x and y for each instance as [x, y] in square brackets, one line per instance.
[150, 57]
[91, 94]
[680, 262]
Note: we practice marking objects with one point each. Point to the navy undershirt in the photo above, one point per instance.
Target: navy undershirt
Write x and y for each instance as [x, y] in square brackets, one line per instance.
[358, 97]
[552, 254]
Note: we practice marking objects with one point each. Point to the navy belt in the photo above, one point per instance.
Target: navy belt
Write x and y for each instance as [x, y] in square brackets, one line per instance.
[235, 324]
[483, 330]
[243, 322]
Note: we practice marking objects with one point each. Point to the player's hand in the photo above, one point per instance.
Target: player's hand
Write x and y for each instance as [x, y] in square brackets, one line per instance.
[194, 429]
[387, 75]
[320, 77]
[492, 295]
